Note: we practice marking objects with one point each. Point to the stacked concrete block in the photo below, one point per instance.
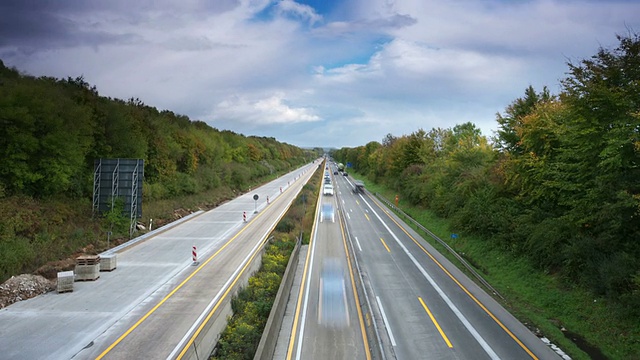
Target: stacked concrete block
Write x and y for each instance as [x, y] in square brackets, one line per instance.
[65, 281]
[87, 267]
[108, 262]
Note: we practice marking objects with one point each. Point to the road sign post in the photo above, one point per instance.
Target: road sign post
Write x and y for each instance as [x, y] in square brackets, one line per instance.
[255, 199]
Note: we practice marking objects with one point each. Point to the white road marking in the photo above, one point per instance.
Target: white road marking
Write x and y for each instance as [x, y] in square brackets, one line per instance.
[306, 296]
[357, 242]
[444, 296]
[386, 322]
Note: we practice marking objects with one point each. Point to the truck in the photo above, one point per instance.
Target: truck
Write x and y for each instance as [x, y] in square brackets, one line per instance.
[340, 167]
[358, 187]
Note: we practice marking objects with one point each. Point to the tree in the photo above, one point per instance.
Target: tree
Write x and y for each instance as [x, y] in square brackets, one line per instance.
[507, 138]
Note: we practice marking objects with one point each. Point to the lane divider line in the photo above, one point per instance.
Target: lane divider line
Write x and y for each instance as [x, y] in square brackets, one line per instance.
[363, 330]
[385, 245]
[442, 294]
[386, 321]
[515, 338]
[308, 267]
[217, 300]
[435, 322]
[168, 296]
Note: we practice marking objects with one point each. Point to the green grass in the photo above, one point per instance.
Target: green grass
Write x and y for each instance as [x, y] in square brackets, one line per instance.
[252, 305]
[537, 299]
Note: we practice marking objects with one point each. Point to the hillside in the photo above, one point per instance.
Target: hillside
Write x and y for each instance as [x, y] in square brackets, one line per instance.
[51, 132]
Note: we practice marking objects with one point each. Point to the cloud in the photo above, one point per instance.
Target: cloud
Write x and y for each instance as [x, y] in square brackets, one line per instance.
[377, 25]
[290, 7]
[264, 111]
[313, 72]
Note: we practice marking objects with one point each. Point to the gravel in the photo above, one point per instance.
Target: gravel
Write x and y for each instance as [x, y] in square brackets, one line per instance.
[23, 287]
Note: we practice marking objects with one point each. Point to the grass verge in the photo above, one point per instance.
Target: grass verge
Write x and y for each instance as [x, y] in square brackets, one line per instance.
[567, 315]
[252, 305]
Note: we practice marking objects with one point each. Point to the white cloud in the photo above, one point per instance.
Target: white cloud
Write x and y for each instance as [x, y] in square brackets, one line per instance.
[298, 10]
[265, 111]
[365, 68]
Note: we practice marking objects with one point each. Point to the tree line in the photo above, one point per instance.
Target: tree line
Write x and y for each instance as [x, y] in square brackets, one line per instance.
[558, 183]
[52, 130]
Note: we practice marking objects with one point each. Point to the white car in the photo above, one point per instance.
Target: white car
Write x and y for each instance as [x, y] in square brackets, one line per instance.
[327, 189]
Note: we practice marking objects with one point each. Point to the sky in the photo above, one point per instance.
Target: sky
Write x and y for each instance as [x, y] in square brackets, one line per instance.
[315, 73]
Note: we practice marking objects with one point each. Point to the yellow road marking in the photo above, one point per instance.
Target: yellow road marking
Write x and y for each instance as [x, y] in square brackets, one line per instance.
[365, 215]
[206, 320]
[433, 319]
[355, 296]
[142, 319]
[526, 349]
[294, 328]
[385, 245]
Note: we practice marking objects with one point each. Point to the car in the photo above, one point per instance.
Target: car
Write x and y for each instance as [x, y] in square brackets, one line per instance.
[328, 213]
[327, 181]
[327, 189]
[332, 306]
[345, 173]
[335, 172]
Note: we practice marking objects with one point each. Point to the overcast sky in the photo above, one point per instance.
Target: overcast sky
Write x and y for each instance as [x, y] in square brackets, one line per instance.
[329, 73]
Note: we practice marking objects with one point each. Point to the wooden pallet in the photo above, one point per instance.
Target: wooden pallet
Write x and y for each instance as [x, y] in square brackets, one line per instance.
[88, 260]
[87, 279]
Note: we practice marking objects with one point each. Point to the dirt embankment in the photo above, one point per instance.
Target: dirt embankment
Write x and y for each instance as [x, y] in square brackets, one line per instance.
[44, 279]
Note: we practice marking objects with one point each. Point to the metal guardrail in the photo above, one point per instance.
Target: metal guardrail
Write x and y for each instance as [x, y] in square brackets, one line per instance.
[443, 243]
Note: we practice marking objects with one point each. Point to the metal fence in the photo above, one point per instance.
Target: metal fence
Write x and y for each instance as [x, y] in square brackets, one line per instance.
[441, 242]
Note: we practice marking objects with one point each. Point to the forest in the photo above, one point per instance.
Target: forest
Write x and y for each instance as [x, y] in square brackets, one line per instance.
[52, 130]
[557, 184]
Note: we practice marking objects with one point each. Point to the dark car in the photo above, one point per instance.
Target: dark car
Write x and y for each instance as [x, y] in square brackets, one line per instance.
[335, 172]
[345, 173]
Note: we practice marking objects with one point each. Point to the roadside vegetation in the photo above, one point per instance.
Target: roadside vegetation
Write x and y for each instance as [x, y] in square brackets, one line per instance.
[548, 209]
[52, 131]
[252, 304]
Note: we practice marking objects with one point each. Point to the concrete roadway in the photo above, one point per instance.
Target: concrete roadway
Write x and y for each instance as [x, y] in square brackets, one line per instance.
[430, 309]
[148, 304]
[328, 324]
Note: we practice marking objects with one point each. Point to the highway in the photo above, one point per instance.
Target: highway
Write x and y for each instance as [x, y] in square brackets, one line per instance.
[156, 300]
[428, 309]
[329, 322]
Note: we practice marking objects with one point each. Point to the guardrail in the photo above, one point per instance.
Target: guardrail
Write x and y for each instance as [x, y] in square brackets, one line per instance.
[443, 243]
[269, 339]
[151, 234]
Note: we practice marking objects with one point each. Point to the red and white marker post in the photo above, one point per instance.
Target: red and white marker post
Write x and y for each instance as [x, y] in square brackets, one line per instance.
[194, 255]
[244, 216]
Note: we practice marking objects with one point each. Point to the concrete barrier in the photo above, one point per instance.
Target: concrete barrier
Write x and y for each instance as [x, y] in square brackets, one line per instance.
[207, 338]
[151, 234]
[269, 339]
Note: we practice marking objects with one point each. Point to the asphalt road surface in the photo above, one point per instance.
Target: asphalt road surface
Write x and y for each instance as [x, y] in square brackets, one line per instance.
[328, 323]
[430, 310]
[147, 306]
